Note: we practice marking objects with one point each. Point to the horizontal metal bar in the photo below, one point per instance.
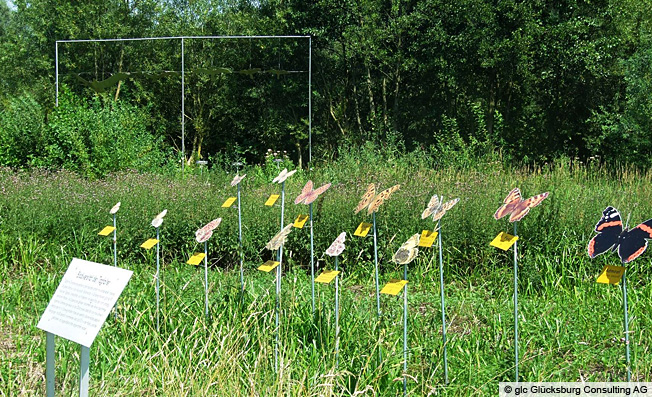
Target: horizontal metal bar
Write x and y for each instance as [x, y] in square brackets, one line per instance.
[181, 37]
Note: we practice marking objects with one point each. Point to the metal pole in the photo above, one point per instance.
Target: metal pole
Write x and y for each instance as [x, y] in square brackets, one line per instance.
[158, 323]
[309, 99]
[443, 304]
[206, 278]
[380, 350]
[337, 317]
[84, 373]
[183, 107]
[115, 258]
[56, 72]
[278, 303]
[49, 364]
[312, 262]
[405, 327]
[240, 239]
[516, 304]
[626, 326]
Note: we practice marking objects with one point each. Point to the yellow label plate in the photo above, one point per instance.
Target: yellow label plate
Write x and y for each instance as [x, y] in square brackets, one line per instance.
[196, 258]
[271, 200]
[229, 202]
[504, 241]
[362, 230]
[611, 275]
[106, 231]
[427, 238]
[300, 221]
[149, 243]
[327, 276]
[268, 266]
[394, 287]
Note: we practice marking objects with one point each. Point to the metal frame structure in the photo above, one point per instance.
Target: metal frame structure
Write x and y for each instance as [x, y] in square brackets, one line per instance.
[182, 39]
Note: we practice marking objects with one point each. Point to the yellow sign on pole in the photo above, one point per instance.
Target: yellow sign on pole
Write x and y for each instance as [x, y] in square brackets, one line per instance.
[268, 266]
[196, 258]
[229, 202]
[504, 241]
[394, 287]
[149, 243]
[427, 238]
[271, 200]
[300, 221]
[106, 231]
[327, 276]
[611, 275]
[362, 230]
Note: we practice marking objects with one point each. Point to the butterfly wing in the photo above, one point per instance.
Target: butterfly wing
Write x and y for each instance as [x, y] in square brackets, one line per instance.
[512, 199]
[633, 243]
[279, 239]
[203, 236]
[522, 208]
[609, 227]
[439, 213]
[380, 199]
[115, 208]
[433, 204]
[408, 251]
[312, 196]
[366, 198]
[280, 177]
[304, 193]
[237, 179]
[289, 174]
[338, 245]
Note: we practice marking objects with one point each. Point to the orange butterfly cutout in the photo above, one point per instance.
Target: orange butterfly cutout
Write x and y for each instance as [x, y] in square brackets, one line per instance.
[516, 206]
[308, 195]
[371, 201]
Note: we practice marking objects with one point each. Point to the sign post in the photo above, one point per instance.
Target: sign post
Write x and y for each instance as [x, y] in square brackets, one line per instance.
[78, 309]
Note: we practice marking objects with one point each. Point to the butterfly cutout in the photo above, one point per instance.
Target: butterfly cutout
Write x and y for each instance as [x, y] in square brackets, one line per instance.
[516, 206]
[161, 215]
[408, 251]
[283, 176]
[279, 239]
[115, 208]
[437, 208]
[308, 195]
[237, 179]
[157, 222]
[338, 245]
[371, 201]
[203, 234]
[611, 236]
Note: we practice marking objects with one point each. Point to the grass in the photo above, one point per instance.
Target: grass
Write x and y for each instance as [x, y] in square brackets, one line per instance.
[570, 327]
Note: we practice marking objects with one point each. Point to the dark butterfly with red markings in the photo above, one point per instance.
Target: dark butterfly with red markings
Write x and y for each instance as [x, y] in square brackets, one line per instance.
[515, 205]
[611, 236]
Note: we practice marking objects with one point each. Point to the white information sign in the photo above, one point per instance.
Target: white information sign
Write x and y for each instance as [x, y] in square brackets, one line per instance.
[87, 293]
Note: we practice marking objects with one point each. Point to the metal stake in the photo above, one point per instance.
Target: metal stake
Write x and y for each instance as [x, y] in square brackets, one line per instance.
[380, 350]
[515, 304]
[242, 288]
[405, 328]
[626, 326]
[277, 308]
[84, 373]
[49, 364]
[158, 323]
[312, 262]
[115, 260]
[443, 304]
[206, 277]
[337, 317]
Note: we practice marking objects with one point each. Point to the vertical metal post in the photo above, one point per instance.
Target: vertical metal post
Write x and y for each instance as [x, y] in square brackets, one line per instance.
[373, 216]
[405, 327]
[183, 106]
[309, 99]
[206, 278]
[49, 364]
[277, 308]
[337, 316]
[158, 268]
[240, 242]
[515, 304]
[84, 372]
[115, 258]
[443, 304]
[626, 326]
[312, 262]
[56, 73]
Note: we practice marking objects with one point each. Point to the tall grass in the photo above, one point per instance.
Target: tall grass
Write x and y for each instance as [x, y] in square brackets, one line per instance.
[570, 327]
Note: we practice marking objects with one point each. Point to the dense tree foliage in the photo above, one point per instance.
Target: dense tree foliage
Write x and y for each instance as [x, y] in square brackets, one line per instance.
[533, 79]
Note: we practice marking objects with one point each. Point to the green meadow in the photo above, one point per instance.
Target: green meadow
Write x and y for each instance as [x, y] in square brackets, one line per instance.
[571, 328]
